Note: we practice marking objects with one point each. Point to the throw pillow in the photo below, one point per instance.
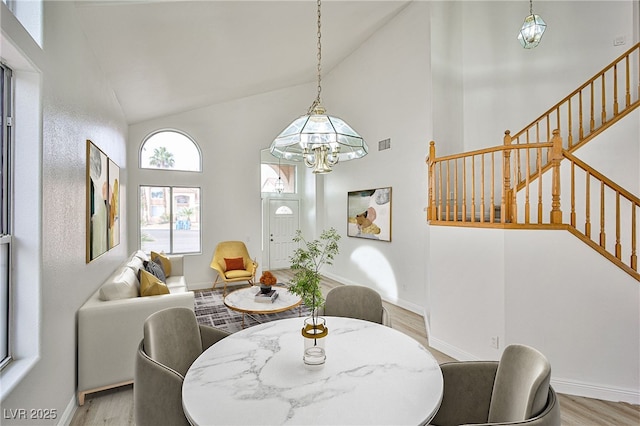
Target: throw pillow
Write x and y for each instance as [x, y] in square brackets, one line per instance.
[154, 269]
[121, 285]
[150, 285]
[164, 260]
[234, 263]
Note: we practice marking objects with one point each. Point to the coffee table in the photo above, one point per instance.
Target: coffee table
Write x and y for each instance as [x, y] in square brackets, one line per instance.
[243, 301]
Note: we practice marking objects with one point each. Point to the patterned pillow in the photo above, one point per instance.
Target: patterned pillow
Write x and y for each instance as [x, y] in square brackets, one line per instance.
[154, 269]
[164, 261]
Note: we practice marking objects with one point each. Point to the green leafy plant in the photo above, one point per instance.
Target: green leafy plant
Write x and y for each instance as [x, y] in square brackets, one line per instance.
[306, 262]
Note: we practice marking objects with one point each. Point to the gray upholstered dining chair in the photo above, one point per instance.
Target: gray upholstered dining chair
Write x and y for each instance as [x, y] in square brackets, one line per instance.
[355, 301]
[173, 339]
[513, 391]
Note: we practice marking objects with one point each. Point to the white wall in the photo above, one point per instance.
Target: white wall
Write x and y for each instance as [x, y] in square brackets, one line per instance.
[506, 86]
[231, 136]
[547, 289]
[383, 91]
[541, 288]
[76, 104]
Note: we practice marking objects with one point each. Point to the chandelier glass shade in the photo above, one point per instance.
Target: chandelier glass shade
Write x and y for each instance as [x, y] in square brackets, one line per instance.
[318, 139]
[532, 29]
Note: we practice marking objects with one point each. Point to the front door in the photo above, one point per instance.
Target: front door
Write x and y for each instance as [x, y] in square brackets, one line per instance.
[284, 220]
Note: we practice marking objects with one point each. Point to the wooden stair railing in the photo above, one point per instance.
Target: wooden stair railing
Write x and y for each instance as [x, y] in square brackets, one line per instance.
[615, 210]
[476, 189]
[587, 111]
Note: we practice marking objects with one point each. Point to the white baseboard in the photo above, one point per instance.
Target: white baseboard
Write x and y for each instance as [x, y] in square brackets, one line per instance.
[66, 417]
[202, 286]
[572, 387]
[207, 285]
[448, 349]
[561, 385]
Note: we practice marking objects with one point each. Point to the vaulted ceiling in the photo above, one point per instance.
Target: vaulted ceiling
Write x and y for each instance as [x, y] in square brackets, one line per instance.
[165, 57]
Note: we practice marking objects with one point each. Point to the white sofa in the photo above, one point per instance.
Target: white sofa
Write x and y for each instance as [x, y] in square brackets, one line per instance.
[110, 324]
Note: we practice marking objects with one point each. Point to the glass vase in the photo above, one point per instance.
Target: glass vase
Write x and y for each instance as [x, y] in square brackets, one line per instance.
[314, 332]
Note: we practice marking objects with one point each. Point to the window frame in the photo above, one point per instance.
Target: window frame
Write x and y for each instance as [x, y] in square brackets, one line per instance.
[172, 216]
[167, 130]
[6, 192]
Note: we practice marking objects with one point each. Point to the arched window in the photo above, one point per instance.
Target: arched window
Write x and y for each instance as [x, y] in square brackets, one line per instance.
[284, 210]
[169, 214]
[170, 150]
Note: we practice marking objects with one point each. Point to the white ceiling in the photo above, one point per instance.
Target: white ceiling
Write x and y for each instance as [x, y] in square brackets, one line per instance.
[164, 57]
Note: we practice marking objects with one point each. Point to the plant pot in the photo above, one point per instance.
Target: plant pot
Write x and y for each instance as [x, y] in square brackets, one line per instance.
[265, 289]
[314, 332]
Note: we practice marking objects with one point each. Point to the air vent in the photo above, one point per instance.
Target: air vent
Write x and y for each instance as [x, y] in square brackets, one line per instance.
[384, 144]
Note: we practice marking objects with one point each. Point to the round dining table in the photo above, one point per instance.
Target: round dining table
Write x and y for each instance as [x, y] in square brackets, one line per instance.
[373, 375]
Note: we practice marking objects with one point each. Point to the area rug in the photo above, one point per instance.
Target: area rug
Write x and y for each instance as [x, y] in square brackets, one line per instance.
[210, 310]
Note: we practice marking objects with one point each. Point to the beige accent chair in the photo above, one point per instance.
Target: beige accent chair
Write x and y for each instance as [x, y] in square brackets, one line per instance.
[173, 340]
[355, 301]
[513, 391]
[230, 250]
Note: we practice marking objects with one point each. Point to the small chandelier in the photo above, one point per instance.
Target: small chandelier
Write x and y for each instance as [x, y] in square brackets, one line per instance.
[318, 139]
[532, 29]
[279, 185]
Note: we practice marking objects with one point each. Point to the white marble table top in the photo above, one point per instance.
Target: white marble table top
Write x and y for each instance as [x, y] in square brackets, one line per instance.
[243, 300]
[374, 375]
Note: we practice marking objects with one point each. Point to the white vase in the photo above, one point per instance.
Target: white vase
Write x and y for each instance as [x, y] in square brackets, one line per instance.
[314, 332]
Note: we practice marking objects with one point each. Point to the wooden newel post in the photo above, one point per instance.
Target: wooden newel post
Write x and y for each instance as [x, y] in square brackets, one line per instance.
[556, 157]
[506, 176]
[431, 208]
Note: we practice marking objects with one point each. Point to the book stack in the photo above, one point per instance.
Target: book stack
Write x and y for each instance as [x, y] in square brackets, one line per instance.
[266, 297]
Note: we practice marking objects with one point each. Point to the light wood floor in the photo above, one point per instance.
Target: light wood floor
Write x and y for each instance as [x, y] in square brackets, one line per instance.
[115, 407]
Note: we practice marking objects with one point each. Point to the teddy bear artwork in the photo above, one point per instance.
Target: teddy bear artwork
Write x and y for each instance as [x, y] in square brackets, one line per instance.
[369, 214]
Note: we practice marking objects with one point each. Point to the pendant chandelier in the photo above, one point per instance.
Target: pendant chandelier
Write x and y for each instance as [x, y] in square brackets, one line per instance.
[532, 29]
[318, 139]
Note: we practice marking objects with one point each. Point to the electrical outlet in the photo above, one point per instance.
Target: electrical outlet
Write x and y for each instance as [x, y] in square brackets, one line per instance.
[495, 342]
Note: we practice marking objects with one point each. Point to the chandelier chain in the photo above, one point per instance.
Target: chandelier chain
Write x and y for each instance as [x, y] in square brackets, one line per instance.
[317, 101]
[530, 7]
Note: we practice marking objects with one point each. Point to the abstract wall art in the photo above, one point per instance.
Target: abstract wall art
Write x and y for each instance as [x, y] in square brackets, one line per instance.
[369, 214]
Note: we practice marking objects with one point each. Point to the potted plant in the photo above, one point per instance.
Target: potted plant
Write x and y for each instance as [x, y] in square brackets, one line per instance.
[266, 281]
[306, 262]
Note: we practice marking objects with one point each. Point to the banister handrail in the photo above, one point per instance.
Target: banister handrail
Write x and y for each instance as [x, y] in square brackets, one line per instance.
[464, 187]
[502, 186]
[601, 111]
[579, 89]
[596, 174]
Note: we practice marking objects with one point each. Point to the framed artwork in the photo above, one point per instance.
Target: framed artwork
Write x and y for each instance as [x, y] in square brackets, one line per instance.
[369, 214]
[103, 203]
[113, 226]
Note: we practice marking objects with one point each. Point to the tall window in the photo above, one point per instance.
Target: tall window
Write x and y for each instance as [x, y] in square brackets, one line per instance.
[170, 219]
[5, 210]
[170, 150]
[169, 215]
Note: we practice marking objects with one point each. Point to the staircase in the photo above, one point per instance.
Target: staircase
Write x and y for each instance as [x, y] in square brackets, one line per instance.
[518, 184]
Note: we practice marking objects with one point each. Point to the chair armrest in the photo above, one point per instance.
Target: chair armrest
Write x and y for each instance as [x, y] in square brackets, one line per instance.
[252, 266]
[386, 318]
[211, 335]
[218, 268]
[467, 392]
[177, 264]
[155, 385]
